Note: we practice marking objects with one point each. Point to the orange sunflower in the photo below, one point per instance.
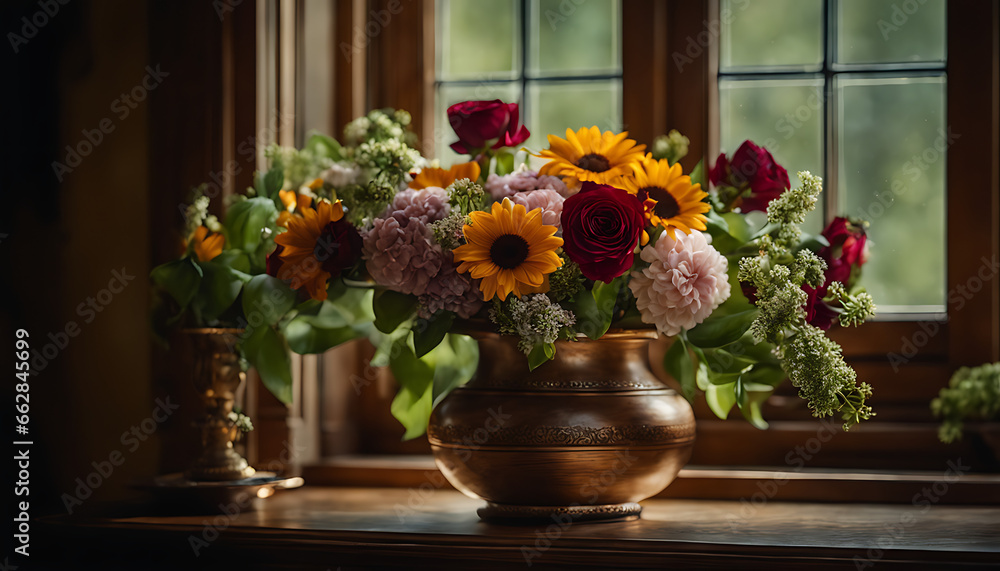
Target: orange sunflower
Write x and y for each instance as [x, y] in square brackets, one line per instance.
[318, 244]
[443, 178]
[668, 197]
[295, 201]
[589, 155]
[510, 249]
[207, 245]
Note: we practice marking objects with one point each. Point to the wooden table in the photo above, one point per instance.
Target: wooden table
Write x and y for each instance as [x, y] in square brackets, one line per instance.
[431, 528]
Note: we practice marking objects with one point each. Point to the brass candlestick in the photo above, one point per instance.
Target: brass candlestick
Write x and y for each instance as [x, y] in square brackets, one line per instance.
[217, 375]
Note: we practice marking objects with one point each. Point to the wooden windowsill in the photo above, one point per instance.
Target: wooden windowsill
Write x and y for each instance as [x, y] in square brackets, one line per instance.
[703, 482]
[350, 528]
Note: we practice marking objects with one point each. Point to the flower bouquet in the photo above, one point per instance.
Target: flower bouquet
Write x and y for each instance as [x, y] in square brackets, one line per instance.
[367, 238]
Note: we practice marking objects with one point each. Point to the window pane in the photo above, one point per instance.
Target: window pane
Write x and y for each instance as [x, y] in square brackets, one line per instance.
[890, 31]
[574, 38]
[786, 116]
[469, 49]
[554, 107]
[892, 144]
[770, 33]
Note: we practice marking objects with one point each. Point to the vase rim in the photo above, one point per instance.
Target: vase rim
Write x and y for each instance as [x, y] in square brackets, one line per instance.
[211, 330]
[481, 328]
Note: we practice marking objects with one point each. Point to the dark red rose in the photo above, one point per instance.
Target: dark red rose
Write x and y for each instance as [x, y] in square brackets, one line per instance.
[601, 227]
[338, 247]
[274, 261]
[753, 172]
[482, 124]
[818, 313]
[846, 252]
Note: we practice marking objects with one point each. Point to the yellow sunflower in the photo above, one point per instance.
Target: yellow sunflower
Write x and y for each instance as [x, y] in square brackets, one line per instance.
[299, 261]
[589, 155]
[207, 245]
[510, 249]
[443, 178]
[668, 197]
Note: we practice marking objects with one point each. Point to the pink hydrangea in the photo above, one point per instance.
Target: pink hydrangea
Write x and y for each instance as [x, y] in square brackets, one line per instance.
[507, 186]
[550, 201]
[400, 253]
[451, 291]
[427, 204]
[685, 281]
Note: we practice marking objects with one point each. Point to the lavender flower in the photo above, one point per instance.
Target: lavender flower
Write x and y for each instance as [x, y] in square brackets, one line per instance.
[427, 204]
[500, 187]
[400, 253]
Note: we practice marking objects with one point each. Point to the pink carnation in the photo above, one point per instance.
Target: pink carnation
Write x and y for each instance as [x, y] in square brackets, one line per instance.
[451, 291]
[400, 253]
[507, 186]
[685, 281]
[427, 204]
[550, 201]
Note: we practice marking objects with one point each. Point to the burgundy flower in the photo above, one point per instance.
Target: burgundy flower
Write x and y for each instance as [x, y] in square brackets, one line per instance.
[482, 124]
[846, 251]
[274, 261]
[601, 227]
[338, 247]
[844, 255]
[753, 173]
[818, 313]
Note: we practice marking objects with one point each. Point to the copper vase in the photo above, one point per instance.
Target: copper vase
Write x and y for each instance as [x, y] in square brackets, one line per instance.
[585, 436]
[217, 375]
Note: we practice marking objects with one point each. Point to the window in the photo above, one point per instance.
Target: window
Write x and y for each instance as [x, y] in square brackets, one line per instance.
[561, 60]
[856, 90]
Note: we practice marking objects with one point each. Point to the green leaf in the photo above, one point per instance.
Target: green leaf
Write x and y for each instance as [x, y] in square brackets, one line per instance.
[765, 375]
[267, 351]
[603, 311]
[455, 362]
[748, 400]
[504, 163]
[428, 333]
[721, 398]
[677, 363]
[738, 227]
[392, 309]
[698, 175]
[307, 339]
[244, 228]
[324, 146]
[273, 181]
[723, 361]
[219, 288]
[412, 405]
[722, 330]
[540, 354]
[179, 278]
[718, 228]
[268, 298]
[236, 259]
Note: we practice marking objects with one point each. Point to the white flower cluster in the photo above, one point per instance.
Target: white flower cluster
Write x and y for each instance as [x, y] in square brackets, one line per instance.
[533, 318]
[391, 153]
[790, 209]
[196, 214]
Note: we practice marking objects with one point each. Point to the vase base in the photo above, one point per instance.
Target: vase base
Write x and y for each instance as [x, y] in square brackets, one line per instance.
[508, 513]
